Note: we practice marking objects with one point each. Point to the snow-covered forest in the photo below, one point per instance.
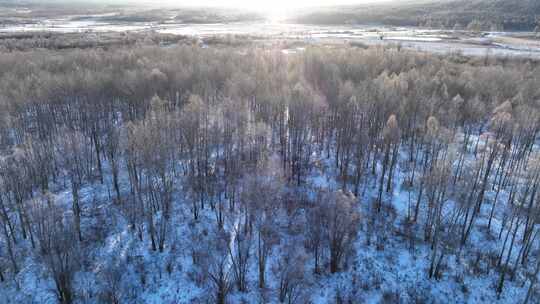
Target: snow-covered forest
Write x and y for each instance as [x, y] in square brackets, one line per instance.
[180, 174]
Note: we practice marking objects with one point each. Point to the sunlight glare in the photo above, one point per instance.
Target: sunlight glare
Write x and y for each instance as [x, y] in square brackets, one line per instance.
[277, 10]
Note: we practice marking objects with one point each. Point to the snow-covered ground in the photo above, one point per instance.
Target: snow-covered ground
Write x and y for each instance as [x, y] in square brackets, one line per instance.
[391, 271]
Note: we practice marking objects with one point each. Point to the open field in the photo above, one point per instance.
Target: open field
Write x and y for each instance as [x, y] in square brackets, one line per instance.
[432, 40]
[106, 20]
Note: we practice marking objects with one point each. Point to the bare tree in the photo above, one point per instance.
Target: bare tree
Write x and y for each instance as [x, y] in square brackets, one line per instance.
[391, 136]
[215, 261]
[73, 153]
[289, 270]
[240, 253]
[340, 221]
[59, 248]
[315, 233]
[113, 150]
[260, 195]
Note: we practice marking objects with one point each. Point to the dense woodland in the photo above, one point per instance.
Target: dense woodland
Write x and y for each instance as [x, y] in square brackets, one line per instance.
[253, 172]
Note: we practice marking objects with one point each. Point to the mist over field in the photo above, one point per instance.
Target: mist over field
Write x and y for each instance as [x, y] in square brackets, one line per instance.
[269, 152]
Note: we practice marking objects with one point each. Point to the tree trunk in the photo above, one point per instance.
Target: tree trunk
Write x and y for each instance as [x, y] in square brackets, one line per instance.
[76, 209]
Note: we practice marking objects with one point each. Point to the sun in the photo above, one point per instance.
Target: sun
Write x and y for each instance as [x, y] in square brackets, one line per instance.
[276, 10]
[273, 9]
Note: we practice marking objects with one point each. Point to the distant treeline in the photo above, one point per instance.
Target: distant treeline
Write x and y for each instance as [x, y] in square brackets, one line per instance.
[520, 15]
[10, 42]
[30, 13]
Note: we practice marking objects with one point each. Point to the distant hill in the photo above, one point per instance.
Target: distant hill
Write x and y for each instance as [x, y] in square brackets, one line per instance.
[31, 11]
[475, 14]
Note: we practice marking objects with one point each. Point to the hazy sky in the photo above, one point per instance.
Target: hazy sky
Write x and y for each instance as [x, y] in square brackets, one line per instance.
[276, 3]
[271, 7]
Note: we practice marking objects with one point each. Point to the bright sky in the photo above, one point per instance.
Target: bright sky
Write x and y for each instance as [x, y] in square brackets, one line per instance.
[271, 7]
[276, 3]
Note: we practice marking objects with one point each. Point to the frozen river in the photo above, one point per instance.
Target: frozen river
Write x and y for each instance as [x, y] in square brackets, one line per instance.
[437, 41]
